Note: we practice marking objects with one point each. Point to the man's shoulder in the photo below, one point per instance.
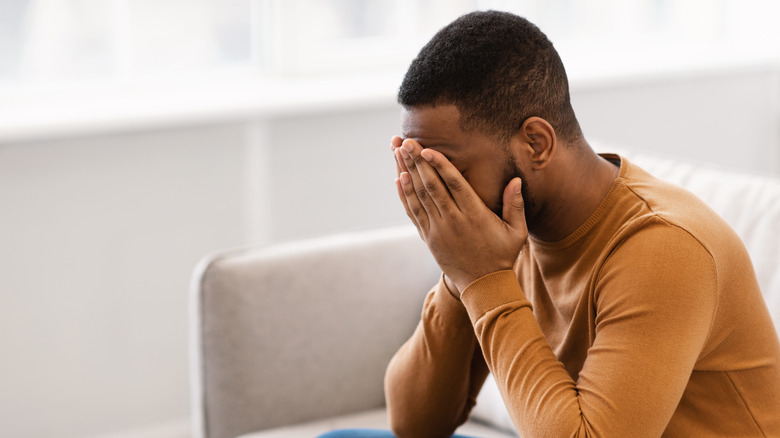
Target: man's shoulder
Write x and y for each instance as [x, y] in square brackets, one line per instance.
[673, 212]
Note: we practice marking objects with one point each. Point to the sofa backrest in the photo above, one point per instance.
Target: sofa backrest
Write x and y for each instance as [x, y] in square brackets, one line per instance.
[300, 331]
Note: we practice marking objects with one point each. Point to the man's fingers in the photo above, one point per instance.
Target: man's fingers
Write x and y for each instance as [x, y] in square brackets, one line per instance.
[395, 143]
[459, 189]
[402, 197]
[399, 160]
[406, 194]
[423, 187]
[414, 209]
[514, 205]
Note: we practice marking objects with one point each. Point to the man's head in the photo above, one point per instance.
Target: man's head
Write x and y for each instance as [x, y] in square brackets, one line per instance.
[490, 92]
[498, 69]
[486, 165]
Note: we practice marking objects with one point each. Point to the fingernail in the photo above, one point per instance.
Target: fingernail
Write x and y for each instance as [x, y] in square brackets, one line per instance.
[405, 178]
[519, 187]
[407, 145]
[425, 153]
[404, 152]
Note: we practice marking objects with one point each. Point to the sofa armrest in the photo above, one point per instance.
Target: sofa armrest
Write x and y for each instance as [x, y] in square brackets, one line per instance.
[304, 330]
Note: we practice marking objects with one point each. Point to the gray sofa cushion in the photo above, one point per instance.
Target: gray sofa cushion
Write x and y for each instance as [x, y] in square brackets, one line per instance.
[302, 331]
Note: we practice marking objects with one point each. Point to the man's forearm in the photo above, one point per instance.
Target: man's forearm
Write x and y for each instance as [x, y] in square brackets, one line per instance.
[432, 381]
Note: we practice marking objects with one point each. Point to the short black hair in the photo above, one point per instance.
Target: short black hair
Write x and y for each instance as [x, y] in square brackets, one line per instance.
[498, 69]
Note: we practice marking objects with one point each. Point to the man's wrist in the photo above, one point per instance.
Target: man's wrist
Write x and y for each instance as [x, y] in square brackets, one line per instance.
[450, 285]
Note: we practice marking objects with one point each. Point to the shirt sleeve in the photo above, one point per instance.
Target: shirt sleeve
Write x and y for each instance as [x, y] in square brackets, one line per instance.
[433, 380]
[654, 301]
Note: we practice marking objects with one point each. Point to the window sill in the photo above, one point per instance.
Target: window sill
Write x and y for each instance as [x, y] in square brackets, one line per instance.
[91, 109]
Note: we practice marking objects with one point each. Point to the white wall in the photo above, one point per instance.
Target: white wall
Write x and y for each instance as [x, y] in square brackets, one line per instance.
[327, 172]
[725, 117]
[99, 234]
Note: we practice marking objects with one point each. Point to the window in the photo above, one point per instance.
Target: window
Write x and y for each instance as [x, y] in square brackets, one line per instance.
[48, 43]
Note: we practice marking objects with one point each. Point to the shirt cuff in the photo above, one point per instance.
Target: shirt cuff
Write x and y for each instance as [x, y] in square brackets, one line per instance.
[491, 291]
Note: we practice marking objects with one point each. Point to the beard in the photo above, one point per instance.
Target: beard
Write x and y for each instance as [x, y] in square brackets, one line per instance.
[512, 171]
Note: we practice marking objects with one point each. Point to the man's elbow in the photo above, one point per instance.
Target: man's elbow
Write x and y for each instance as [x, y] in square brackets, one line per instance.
[408, 419]
[411, 413]
[417, 426]
[402, 428]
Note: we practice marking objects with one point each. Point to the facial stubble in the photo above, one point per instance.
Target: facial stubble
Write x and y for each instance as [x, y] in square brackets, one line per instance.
[511, 171]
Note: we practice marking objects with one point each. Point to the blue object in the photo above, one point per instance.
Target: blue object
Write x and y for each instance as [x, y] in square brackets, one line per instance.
[366, 433]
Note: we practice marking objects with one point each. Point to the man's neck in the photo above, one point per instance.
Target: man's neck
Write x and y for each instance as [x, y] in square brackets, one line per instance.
[585, 181]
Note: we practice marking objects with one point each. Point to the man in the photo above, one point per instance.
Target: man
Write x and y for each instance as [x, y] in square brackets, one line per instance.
[604, 301]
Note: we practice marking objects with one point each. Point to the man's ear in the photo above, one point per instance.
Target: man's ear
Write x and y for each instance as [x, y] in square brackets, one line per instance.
[538, 137]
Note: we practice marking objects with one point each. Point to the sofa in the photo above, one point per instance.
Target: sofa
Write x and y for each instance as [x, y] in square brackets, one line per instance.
[292, 340]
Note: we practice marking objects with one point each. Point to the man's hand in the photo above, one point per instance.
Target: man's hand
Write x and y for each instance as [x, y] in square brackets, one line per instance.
[467, 240]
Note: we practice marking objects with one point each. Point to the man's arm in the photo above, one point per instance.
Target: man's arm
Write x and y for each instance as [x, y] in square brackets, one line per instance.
[654, 307]
[433, 380]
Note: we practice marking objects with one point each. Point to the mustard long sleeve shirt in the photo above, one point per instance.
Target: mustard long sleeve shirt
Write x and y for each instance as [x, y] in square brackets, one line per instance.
[647, 321]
